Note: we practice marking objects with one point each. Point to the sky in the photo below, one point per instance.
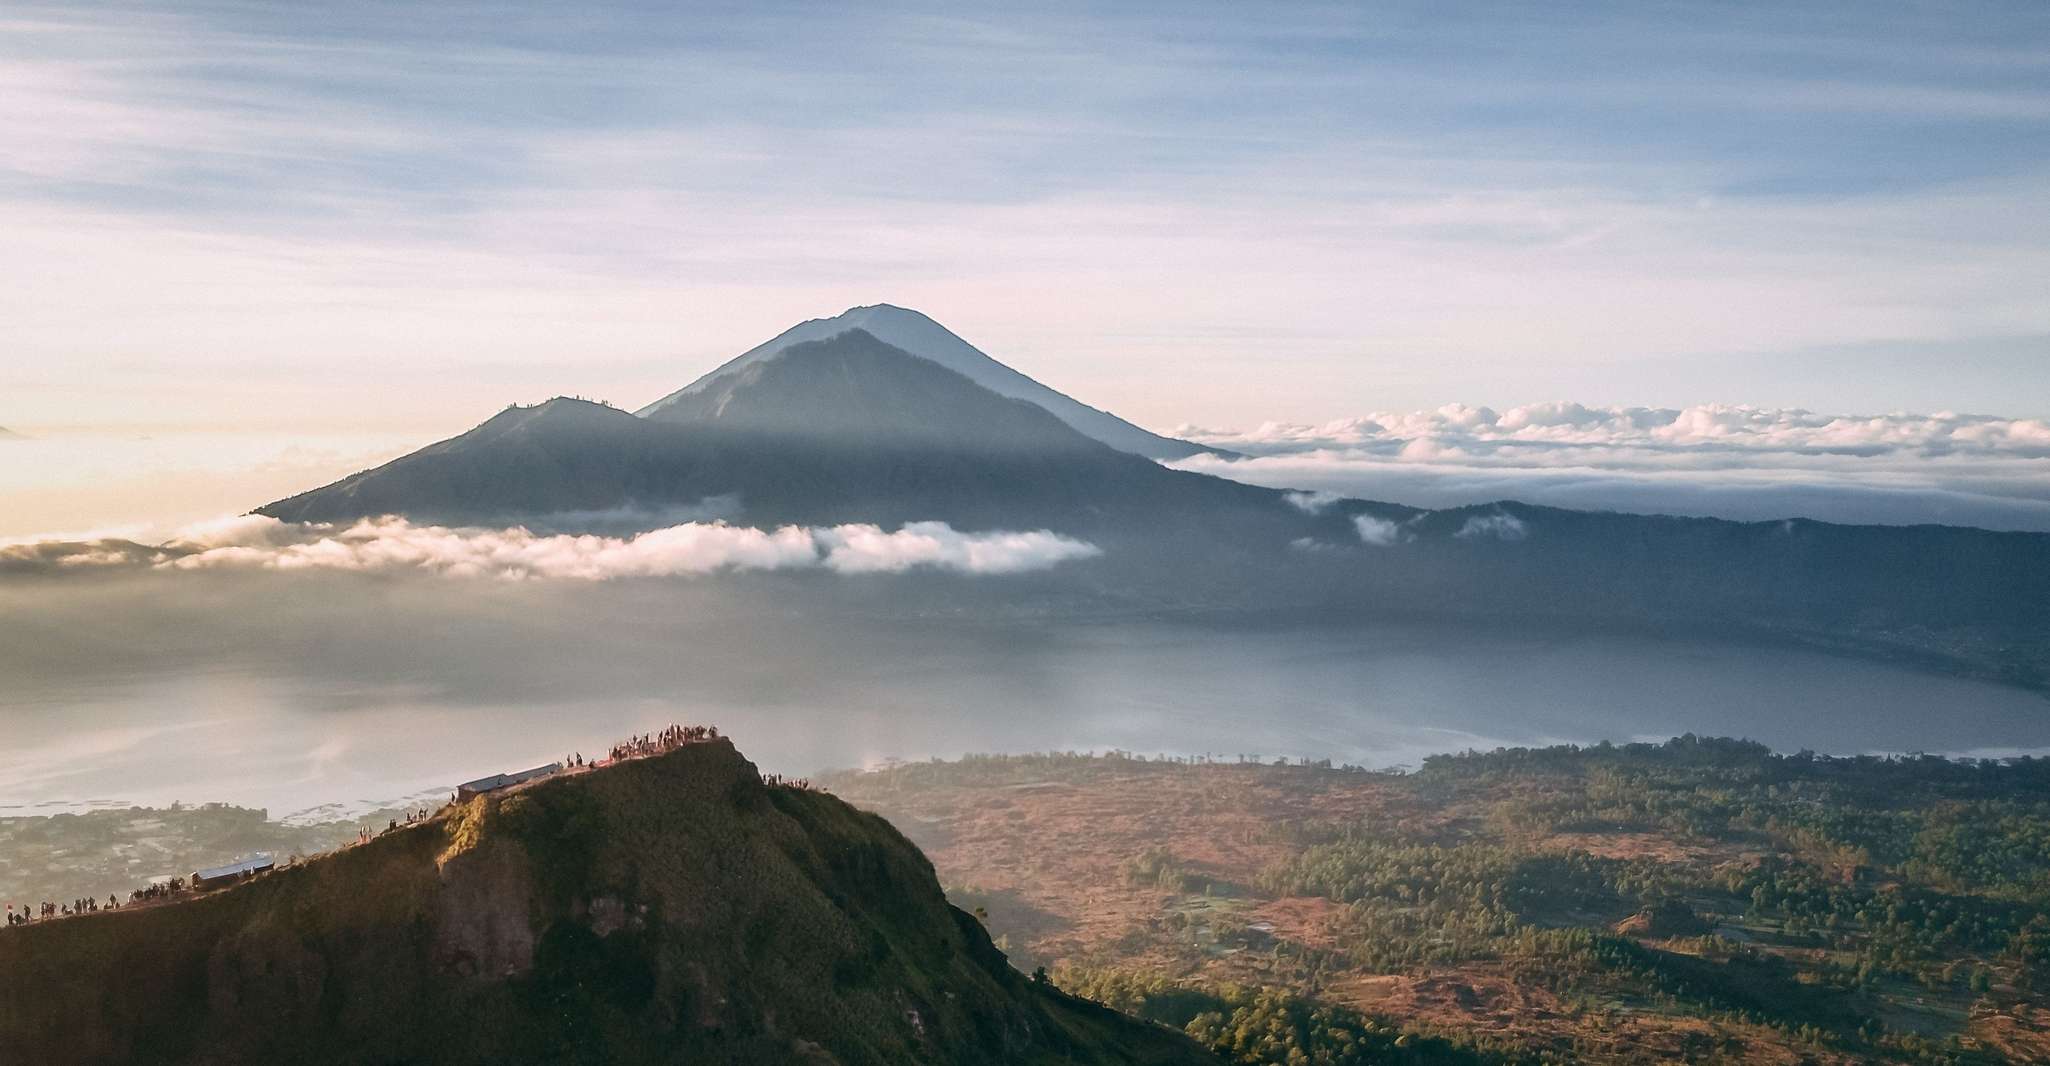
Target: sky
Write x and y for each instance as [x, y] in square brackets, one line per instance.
[347, 230]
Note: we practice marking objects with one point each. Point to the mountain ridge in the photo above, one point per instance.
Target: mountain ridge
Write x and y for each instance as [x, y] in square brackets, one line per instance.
[668, 909]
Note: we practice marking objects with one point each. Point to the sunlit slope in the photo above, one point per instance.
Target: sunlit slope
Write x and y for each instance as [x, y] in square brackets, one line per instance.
[673, 909]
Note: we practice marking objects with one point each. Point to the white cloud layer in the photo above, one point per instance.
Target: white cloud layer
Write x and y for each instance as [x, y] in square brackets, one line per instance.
[1739, 462]
[254, 542]
[1721, 425]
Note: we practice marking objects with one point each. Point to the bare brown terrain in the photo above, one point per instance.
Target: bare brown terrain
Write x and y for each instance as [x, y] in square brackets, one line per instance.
[1180, 870]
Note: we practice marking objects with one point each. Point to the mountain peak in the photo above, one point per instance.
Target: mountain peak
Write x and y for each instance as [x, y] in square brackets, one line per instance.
[883, 314]
[869, 312]
[921, 336]
[561, 405]
[571, 407]
[853, 387]
[560, 412]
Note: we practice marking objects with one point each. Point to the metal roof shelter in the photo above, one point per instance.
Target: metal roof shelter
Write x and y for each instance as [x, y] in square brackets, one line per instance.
[498, 781]
[253, 864]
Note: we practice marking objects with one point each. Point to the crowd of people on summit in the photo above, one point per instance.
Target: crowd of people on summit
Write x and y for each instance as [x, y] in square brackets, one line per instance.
[83, 905]
[666, 740]
[641, 745]
[364, 834]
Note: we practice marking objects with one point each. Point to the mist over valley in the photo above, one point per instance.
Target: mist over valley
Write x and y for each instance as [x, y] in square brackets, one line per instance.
[850, 553]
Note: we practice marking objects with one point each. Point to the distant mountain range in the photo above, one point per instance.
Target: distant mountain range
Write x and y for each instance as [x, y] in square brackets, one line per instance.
[850, 428]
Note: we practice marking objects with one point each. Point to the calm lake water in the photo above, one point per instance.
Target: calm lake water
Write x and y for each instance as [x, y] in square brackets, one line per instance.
[345, 696]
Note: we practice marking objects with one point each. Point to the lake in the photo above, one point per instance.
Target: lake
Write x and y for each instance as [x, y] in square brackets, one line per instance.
[325, 697]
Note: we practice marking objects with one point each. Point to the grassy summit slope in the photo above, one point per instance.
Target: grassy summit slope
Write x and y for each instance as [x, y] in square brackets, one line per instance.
[673, 909]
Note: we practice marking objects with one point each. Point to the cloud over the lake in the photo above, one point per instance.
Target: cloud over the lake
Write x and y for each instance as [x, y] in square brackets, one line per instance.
[1497, 526]
[394, 545]
[1379, 532]
[1719, 460]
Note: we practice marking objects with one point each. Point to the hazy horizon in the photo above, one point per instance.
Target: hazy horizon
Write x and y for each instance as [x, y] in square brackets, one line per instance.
[1736, 461]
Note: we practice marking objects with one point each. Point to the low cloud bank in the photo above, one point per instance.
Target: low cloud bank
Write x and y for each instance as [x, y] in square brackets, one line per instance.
[1736, 462]
[1720, 425]
[254, 542]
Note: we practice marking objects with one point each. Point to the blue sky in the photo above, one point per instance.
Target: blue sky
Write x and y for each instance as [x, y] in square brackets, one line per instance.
[402, 216]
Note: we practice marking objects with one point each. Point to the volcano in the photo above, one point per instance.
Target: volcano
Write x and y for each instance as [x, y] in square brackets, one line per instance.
[844, 429]
[850, 428]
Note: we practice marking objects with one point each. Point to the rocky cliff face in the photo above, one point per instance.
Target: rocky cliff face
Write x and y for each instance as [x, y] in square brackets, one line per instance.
[672, 909]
